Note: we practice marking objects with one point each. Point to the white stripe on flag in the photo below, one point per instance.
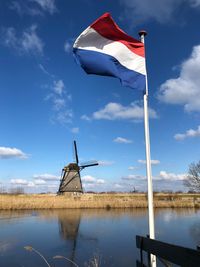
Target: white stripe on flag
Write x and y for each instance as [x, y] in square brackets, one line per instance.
[93, 41]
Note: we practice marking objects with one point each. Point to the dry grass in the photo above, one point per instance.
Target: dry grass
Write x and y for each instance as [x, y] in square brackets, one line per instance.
[93, 262]
[51, 201]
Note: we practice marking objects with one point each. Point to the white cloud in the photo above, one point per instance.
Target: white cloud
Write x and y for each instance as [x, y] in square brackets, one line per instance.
[116, 185]
[27, 183]
[33, 7]
[23, 7]
[60, 100]
[88, 179]
[9, 37]
[194, 3]
[116, 111]
[75, 130]
[58, 103]
[153, 161]
[39, 182]
[163, 175]
[63, 117]
[67, 46]
[142, 161]
[31, 184]
[16, 6]
[105, 162]
[58, 87]
[8, 152]
[85, 117]
[46, 5]
[132, 168]
[188, 134]
[122, 140]
[161, 11]
[45, 71]
[29, 42]
[46, 177]
[184, 90]
[133, 177]
[116, 95]
[53, 186]
[19, 181]
[100, 181]
[89, 186]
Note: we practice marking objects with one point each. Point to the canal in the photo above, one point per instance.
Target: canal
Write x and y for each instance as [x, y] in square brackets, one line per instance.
[82, 236]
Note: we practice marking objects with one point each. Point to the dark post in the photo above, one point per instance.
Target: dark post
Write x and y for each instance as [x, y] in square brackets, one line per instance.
[148, 256]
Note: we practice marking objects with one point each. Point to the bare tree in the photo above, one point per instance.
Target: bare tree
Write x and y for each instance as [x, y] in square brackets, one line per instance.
[193, 177]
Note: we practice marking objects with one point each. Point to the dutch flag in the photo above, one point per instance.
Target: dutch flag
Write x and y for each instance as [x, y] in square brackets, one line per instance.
[104, 49]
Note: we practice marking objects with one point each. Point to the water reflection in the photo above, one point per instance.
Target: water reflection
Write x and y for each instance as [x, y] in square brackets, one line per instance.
[91, 213]
[9, 216]
[176, 212]
[195, 232]
[69, 228]
[89, 232]
[6, 245]
[78, 234]
[69, 224]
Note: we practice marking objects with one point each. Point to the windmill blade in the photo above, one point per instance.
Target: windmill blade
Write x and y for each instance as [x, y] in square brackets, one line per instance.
[62, 174]
[62, 179]
[76, 153]
[89, 165]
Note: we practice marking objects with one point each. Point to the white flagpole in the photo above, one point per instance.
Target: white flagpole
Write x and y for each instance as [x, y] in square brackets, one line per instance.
[148, 163]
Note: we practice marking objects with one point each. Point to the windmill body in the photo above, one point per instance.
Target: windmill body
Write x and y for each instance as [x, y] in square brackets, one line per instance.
[70, 178]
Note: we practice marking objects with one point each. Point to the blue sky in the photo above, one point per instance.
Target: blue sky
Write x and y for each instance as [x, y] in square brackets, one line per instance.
[47, 101]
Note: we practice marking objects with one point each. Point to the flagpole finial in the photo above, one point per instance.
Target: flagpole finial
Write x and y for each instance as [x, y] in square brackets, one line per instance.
[142, 32]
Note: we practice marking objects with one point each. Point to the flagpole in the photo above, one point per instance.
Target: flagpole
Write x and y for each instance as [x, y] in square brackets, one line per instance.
[148, 162]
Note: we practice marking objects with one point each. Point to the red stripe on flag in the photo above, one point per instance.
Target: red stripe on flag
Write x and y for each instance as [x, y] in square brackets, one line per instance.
[106, 27]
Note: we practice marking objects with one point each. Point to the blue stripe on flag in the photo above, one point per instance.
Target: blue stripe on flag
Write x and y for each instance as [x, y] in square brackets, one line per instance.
[102, 64]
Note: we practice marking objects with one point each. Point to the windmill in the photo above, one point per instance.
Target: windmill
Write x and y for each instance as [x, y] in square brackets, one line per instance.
[70, 177]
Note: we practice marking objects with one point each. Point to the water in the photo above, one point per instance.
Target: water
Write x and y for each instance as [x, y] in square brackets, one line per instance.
[80, 234]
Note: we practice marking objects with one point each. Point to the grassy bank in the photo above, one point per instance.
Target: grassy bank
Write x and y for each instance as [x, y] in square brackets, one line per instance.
[118, 200]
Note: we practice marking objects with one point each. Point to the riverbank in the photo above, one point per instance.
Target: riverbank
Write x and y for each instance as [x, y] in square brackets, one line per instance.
[88, 200]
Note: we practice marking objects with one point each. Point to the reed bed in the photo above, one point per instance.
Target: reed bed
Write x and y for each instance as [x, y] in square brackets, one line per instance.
[107, 201]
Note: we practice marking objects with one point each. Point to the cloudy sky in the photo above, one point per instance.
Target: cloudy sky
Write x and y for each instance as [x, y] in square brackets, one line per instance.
[47, 101]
